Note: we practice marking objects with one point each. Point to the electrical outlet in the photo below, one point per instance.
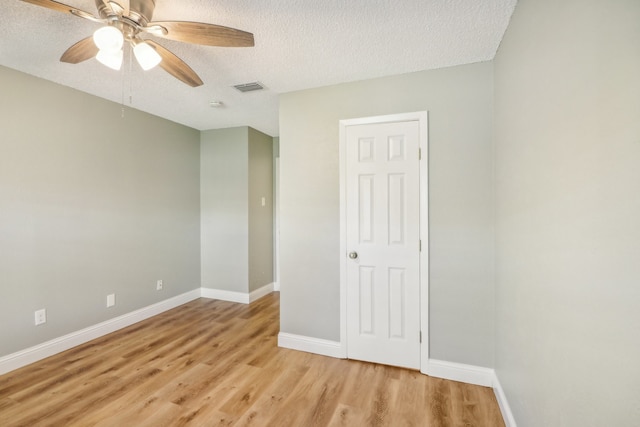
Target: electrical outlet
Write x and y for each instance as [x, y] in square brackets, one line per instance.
[41, 317]
[159, 285]
[111, 300]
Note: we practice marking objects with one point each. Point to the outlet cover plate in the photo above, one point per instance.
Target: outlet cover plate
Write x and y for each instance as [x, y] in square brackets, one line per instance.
[111, 300]
[41, 317]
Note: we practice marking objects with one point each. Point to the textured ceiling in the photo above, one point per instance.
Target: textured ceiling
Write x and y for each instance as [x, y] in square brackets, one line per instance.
[299, 44]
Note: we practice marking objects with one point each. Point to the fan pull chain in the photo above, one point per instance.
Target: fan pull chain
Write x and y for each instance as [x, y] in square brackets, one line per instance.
[130, 74]
[122, 94]
[124, 84]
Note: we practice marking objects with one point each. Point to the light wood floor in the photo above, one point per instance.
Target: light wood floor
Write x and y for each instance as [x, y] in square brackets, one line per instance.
[215, 363]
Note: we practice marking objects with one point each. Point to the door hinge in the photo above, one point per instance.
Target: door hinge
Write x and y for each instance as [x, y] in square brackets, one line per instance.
[421, 337]
[420, 245]
[419, 153]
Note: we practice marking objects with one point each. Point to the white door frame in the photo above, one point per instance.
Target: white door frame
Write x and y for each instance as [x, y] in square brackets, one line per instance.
[422, 118]
[276, 231]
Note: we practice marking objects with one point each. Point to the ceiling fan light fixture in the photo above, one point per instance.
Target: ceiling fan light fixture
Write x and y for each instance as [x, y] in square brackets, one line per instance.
[112, 60]
[108, 39]
[126, 20]
[146, 56]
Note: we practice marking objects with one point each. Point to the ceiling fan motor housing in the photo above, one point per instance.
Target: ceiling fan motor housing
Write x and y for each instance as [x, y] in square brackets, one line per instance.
[140, 11]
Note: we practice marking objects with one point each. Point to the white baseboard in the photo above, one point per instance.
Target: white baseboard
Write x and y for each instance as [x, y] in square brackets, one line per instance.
[469, 374]
[33, 354]
[311, 345]
[507, 415]
[259, 293]
[473, 375]
[436, 368]
[276, 286]
[233, 296]
[223, 295]
[24, 357]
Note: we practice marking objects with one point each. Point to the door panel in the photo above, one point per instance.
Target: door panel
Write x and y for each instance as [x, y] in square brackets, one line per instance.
[382, 228]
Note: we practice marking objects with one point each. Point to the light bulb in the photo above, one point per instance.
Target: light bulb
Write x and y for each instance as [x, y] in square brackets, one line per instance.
[110, 59]
[146, 55]
[108, 39]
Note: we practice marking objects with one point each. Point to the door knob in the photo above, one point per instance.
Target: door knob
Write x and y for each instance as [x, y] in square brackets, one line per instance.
[353, 255]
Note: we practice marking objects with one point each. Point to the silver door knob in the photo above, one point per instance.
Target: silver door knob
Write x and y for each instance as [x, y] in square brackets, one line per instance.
[353, 255]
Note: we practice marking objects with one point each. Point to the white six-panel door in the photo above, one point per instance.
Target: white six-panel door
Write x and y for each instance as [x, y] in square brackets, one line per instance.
[383, 242]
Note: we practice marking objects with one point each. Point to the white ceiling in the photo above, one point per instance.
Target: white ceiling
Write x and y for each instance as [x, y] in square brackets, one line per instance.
[299, 44]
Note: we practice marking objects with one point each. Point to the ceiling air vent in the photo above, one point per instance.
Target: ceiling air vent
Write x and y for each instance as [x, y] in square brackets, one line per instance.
[249, 87]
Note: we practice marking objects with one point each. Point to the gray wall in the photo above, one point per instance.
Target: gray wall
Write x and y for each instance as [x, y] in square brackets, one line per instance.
[224, 209]
[237, 231]
[459, 101]
[90, 204]
[276, 212]
[260, 217]
[567, 79]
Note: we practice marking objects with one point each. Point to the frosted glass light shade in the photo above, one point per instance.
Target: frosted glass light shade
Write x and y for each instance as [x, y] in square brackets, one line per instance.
[110, 59]
[108, 39]
[146, 55]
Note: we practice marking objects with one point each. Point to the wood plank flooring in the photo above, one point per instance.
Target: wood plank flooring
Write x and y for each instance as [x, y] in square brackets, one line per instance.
[216, 363]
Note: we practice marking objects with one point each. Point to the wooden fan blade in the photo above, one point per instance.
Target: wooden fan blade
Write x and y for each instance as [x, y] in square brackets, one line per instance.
[206, 34]
[54, 5]
[176, 66]
[81, 51]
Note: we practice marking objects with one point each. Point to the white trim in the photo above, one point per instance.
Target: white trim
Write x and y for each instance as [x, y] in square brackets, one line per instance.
[310, 345]
[387, 118]
[241, 297]
[33, 354]
[231, 296]
[38, 352]
[469, 374]
[276, 222]
[423, 119]
[259, 293]
[477, 375]
[424, 237]
[343, 235]
[276, 286]
[507, 415]
[435, 368]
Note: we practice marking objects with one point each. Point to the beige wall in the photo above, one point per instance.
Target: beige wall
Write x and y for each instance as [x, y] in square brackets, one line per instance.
[567, 143]
[459, 101]
[91, 203]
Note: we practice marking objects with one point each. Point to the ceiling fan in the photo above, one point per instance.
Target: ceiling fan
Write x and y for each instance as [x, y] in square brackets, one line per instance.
[128, 20]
